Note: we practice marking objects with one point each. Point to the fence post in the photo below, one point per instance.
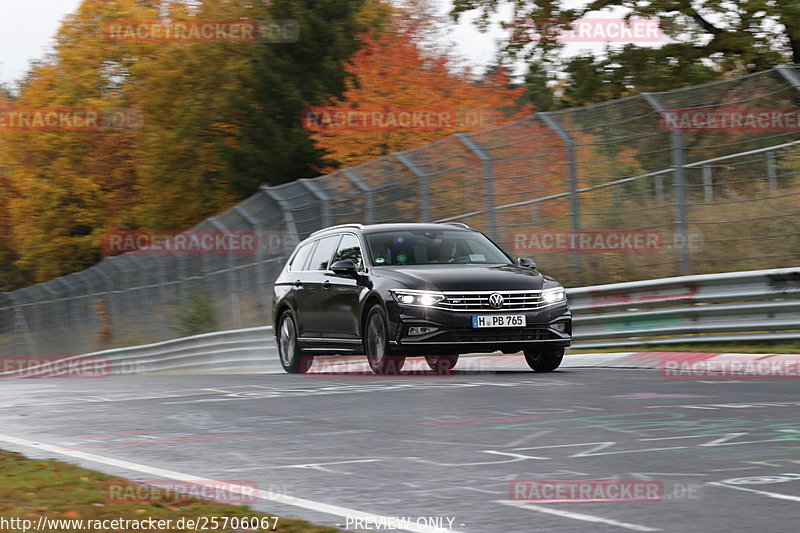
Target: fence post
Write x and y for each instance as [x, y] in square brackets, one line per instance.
[659, 189]
[230, 276]
[288, 217]
[772, 172]
[708, 184]
[678, 164]
[572, 176]
[86, 311]
[8, 339]
[424, 193]
[161, 261]
[369, 194]
[51, 317]
[258, 260]
[322, 198]
[33, 319]
[488, 181]
[139, 295]
[22, 334]
[790, 75]
[110, 305]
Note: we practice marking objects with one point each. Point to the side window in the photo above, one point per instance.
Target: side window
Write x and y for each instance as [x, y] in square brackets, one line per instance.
[349, 249]
[321, 257]
[299, 259]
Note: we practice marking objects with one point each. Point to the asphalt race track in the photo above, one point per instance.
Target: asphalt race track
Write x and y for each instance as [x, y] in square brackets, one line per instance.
[727, 452]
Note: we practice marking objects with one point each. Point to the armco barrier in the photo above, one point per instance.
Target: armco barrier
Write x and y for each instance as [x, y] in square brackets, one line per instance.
[240, 350]
[736, 306]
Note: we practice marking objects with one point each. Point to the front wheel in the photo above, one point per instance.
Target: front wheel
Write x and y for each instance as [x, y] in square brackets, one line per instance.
[441, 364]
[376, 344]
[544, 359]
[292, 359]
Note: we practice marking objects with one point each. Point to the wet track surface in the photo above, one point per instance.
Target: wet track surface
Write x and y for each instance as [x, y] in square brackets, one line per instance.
[727, 452]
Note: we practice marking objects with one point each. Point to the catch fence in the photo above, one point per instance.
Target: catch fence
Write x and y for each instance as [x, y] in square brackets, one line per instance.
[702, 199]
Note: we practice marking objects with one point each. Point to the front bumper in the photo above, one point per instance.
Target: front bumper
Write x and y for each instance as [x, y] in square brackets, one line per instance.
[455, 333]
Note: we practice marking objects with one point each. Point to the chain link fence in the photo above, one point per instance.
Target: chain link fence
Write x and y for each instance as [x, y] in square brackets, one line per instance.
[713, 199]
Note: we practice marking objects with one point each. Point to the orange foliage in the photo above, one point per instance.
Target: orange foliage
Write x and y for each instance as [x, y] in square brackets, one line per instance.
[394, 73]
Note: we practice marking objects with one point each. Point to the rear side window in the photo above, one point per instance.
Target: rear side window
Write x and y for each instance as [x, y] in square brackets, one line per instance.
[349, 248]
[321, 257]
[300, 258]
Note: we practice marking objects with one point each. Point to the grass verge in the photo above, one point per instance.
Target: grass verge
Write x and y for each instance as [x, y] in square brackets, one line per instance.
[57, 490]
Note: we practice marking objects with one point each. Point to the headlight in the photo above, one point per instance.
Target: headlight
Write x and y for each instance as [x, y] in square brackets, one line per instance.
[551, 296]
[421, 298]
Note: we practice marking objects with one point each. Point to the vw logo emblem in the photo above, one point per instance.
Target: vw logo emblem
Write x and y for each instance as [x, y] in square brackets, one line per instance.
[496, 300]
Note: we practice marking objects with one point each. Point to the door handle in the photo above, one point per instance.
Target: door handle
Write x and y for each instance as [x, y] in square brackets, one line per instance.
[326, 286]
[298, 283]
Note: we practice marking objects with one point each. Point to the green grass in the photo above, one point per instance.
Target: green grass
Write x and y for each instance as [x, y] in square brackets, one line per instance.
[716, 347]
[57, 490]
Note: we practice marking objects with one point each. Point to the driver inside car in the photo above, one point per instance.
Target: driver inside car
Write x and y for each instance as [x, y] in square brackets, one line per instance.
[446, 252]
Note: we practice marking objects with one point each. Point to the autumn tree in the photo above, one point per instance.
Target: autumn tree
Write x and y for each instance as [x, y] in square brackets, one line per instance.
[11, 276]
[67, 185]
[398, 71]
[269, 144]
[705, 41]
[216, 120]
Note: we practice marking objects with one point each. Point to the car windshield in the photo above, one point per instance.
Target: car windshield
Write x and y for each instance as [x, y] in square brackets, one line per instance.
[433, 247]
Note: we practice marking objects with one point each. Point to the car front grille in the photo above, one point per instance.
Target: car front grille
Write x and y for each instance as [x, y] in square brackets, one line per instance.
[497, 336]
[479, 301]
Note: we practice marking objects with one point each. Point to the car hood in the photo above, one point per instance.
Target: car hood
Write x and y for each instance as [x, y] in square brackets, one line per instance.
[464, 277]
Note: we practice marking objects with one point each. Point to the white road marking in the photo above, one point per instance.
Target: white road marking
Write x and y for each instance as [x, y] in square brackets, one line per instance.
[311, 505]
[592, 452]
[321, 466]
[526, 438]
[576, 516]
[775, 495]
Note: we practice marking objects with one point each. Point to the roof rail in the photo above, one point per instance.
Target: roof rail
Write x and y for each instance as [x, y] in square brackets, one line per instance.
[340, 226]
[459, 224]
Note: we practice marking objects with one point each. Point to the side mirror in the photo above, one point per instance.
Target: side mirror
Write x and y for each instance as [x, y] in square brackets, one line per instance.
[345, 266]
[526, 262]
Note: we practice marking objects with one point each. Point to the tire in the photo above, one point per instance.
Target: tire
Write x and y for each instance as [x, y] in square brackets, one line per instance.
[376, 344]
[544, 359]
[441, 364]
[292, 359]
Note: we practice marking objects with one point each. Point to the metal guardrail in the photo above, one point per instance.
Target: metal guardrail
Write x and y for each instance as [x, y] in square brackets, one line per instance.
[240, 350]
[736, 306]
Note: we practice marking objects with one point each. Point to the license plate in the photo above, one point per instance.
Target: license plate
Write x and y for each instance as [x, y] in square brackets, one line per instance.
[498, 321]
